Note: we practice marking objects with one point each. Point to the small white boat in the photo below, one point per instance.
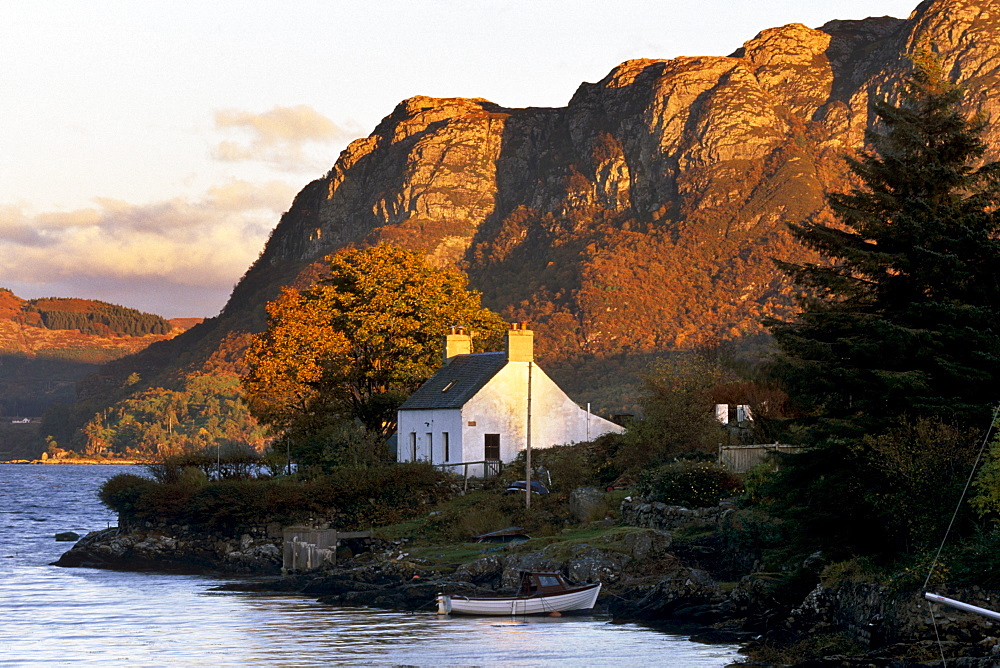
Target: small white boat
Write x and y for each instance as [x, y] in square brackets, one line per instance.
[541, 594]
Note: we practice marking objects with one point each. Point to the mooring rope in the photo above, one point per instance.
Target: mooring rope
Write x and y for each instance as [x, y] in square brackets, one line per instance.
[954, 515]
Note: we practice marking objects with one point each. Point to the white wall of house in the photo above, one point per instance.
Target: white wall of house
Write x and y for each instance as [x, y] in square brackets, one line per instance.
[500, 407]
[427, 429]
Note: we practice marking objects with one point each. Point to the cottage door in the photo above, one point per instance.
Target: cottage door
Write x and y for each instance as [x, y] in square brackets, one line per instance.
[491, 446]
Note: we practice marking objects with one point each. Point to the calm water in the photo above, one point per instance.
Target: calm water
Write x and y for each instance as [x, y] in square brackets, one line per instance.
[62, 616]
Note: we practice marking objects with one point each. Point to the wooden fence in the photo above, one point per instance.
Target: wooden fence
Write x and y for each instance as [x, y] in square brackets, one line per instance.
[741, 458]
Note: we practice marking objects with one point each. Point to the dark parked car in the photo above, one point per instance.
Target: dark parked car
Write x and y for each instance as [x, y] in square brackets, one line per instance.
[536, 487]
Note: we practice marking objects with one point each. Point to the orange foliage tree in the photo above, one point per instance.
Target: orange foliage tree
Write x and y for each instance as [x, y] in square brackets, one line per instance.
[357, 341]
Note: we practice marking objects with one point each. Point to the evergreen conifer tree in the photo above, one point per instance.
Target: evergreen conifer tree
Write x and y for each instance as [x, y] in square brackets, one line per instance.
[895, 355]
[905, 319]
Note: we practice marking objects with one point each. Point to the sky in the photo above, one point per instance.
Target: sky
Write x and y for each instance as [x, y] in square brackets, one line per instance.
[148, 148]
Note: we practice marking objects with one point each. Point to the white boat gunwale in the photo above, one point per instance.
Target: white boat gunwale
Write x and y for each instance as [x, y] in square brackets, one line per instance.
[541, 593]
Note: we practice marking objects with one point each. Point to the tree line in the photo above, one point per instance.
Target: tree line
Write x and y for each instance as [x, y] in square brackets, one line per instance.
[99, 320]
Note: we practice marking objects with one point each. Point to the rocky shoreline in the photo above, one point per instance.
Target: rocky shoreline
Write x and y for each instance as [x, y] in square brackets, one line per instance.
[646, 578]
[78, 461]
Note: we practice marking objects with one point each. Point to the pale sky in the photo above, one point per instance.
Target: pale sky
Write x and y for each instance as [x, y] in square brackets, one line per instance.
[147, 148]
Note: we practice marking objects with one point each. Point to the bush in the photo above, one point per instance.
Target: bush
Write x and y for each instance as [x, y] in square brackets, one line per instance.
[687, 483]
[350, 497]
[465, 517]
[746, 536]
[976, 560]
[233, 462]
[234, 503]
[678, 408]
[124, 493]
[342, 444]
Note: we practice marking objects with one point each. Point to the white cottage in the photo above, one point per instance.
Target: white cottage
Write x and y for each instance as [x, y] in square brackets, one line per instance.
[484, 407]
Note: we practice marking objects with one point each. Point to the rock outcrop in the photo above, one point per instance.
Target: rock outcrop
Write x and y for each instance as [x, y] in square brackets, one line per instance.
[175, 550]
[645, 214]
[655, 515]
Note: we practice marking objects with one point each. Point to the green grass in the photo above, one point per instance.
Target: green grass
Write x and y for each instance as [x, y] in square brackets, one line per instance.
[436, 551]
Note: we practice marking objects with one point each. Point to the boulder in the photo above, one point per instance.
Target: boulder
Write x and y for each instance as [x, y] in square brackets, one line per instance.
[655, 515]
[587, 504]
[485, 570]
[592, 564]
[167, 550]
[689, 592]
[67, 536]
[648, 544]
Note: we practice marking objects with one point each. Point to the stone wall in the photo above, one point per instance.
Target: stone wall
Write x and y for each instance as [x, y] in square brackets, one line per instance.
[655, 515]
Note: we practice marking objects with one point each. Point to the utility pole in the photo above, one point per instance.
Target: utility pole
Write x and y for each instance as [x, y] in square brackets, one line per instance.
[527, 449]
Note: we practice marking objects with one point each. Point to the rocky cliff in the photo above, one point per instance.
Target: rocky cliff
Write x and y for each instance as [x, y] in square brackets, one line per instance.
[644, 215]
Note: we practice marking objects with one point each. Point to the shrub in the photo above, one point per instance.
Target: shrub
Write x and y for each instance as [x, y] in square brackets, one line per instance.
[976, 560]
[124, 493]
[228, 504]
[758, 479]
[687, 483]
[746, 536]
[342, 444]
[679, 418]
[367, 496]
[351, 497]
[916, 473]
[234, 462]
[987, 485]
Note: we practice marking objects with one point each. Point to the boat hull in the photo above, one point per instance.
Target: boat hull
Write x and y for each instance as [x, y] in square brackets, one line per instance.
[580, 598]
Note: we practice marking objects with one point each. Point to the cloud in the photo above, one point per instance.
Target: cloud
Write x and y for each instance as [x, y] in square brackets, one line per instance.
[197, 248]
[281, 138]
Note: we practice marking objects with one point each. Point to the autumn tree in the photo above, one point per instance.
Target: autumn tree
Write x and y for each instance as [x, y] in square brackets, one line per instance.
[355, 343]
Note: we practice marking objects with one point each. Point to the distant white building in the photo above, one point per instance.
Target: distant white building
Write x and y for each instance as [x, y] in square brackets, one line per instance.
[478, 407]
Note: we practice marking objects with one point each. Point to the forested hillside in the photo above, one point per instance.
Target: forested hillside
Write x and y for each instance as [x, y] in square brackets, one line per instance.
[48, 345]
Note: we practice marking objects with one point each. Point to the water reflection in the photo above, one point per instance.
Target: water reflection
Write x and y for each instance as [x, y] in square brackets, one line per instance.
[56, 616]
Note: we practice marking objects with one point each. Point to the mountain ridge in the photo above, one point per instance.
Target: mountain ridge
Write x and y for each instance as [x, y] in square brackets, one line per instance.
[640, 218]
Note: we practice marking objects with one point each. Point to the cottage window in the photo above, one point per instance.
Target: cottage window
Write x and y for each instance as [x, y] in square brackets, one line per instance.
[492, 447]
[413, 446]
[445, 443]
[430, 447]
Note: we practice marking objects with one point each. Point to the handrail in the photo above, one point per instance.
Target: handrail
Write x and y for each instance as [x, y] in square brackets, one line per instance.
[491, 468]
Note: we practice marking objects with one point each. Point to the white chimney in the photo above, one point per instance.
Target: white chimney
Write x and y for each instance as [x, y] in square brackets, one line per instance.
[520, 343]
[456, 342]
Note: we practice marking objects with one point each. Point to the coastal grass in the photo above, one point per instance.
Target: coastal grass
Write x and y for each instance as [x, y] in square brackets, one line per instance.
[448, 556]
[814, 646]
[600, 534]
[443, 537]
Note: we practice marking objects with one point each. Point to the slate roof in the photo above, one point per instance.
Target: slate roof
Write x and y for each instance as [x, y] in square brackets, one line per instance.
[463, 377]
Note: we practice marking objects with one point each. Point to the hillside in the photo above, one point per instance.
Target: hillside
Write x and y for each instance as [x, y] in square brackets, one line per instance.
[640, 218]
[47, 345]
